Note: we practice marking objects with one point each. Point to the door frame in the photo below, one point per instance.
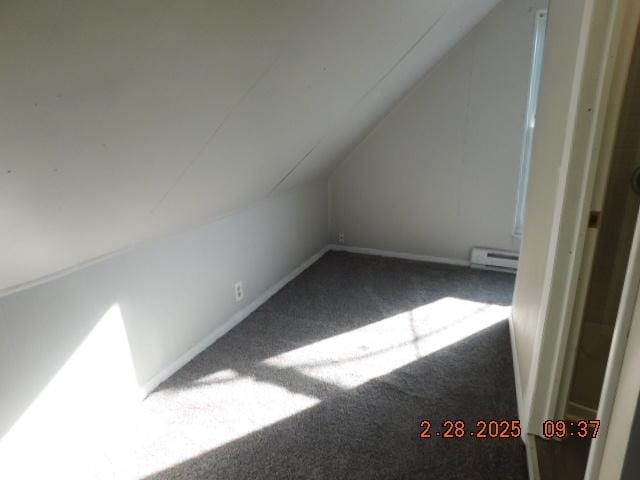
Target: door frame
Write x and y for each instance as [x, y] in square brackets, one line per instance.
[600, 53]
[630, 18]
[621, 382]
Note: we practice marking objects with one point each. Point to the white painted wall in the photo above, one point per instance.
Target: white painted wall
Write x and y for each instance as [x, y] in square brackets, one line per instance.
[126, 120]
[171, 293]
[439, 174]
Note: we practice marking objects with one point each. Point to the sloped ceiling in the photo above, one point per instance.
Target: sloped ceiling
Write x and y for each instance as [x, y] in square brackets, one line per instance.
[123, 120]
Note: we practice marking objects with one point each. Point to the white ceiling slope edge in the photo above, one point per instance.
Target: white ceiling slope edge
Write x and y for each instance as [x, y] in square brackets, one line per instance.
[126, 120]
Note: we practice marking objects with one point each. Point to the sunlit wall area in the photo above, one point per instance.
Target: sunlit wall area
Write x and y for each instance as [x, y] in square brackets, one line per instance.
[66, 424]
[122, 321]
[101, 432]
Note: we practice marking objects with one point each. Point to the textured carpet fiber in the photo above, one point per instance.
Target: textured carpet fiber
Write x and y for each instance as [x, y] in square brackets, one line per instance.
[331, 377]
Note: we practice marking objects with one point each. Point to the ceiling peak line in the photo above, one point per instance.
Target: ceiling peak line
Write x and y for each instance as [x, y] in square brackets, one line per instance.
[401, 59]
[216, 130]
[368, 92]
[304, 157]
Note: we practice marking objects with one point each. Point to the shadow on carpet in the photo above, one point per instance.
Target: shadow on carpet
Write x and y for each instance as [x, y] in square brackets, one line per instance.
[356, 334]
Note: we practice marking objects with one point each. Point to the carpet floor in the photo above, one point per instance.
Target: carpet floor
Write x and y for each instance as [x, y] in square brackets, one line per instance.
[332, 377]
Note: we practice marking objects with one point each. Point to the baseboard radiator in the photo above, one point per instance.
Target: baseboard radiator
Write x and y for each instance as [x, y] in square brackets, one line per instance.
[493, 259]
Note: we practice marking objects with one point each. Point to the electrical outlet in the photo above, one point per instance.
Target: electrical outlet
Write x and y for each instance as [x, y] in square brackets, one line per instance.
[239, 291]
[340, 237]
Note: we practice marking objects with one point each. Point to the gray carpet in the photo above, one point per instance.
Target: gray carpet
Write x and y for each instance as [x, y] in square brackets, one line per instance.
[295, 402]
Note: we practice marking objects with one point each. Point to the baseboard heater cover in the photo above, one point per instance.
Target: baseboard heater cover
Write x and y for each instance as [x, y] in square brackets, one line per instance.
[494, 259]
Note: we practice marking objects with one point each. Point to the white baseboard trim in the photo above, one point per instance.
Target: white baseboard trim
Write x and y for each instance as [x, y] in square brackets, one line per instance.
[405, 256]
[219, 331]
[532, 456]
[516, 370]
[528, 439]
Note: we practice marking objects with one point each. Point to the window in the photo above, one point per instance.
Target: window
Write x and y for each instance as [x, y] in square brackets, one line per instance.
[530, 122]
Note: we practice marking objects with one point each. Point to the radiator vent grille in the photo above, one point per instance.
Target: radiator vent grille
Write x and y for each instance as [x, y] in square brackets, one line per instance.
[494, 259]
